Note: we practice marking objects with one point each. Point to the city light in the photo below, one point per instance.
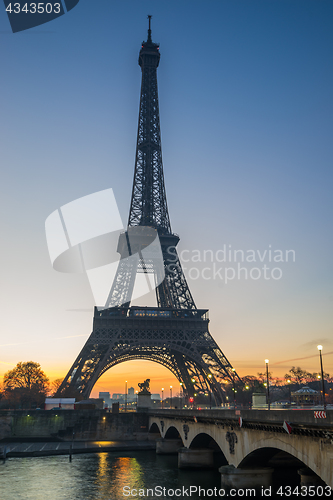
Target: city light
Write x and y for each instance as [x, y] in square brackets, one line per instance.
[289, 381]
[267, 382]
[320, 348]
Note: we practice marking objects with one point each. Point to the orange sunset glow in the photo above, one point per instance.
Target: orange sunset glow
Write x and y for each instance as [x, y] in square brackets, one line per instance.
[133, 372]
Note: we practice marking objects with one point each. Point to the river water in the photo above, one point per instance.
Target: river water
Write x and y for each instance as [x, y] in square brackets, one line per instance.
[100, 476]
[115, 476]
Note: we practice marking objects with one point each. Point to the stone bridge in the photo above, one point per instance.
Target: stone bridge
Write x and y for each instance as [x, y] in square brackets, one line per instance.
[249, 440]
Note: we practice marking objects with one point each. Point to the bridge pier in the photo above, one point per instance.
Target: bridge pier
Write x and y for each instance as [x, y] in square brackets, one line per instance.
[168, 446]
[231, 477]
[189, 458]
[308, 478]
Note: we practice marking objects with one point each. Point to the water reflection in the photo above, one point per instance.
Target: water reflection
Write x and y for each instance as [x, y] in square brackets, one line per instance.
[96, 476]
[127, 472]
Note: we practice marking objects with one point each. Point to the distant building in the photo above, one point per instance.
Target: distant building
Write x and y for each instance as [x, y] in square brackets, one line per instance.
[106, 398]
[306, 396]
[117, 396]
[131, 396]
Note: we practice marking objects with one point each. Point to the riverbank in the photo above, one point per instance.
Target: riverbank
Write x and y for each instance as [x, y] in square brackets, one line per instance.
[40, 449]
[62, 425]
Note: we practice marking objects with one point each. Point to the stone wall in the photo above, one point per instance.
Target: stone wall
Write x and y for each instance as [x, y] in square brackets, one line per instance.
[62, 424]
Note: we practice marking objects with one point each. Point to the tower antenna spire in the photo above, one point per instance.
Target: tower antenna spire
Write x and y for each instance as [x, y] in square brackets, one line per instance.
[149, 29]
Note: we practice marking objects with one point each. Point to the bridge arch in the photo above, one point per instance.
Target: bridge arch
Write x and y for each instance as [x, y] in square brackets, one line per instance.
[154, 431]
[204, 440]
[173, 433]
[264, 456]
[282, 455]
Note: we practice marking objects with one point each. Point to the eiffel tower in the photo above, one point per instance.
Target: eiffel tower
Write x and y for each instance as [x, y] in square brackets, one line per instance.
[175, 333]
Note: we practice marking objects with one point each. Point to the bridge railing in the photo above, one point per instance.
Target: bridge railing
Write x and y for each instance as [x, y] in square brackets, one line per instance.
[304, 418]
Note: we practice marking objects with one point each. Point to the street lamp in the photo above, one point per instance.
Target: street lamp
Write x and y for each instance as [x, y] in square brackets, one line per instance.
[170, 396]
[125, 395]
[162, 396]
[181, 392]
[136, 392]
[210, 391]
[320, 347]
[289, 382]
[267, 379]
[247, 387]
[233, 385]
[193, 382]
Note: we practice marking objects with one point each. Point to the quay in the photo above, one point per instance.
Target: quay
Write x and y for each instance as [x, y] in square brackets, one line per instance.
[40, 449]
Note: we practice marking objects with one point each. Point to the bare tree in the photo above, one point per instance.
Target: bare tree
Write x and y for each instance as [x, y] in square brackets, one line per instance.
[55, 386]
[26, 384]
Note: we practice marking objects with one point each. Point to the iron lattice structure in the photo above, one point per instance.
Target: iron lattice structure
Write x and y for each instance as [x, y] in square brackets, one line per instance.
[175, 333]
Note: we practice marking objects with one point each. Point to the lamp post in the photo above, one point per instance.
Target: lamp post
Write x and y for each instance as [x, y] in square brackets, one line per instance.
[289, 382]
[136, 392]
[170, 396]
[209, 376]
[233, 385]
[192, 389]
[162, 396]
[267, 380]
[125, 395]
[320, 347]
[247, 387]
[181, 395]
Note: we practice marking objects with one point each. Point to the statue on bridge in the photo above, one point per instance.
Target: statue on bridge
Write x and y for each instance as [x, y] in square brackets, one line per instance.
[144, 386]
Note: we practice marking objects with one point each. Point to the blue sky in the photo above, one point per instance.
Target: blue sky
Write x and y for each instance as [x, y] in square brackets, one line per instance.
[245, 91]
